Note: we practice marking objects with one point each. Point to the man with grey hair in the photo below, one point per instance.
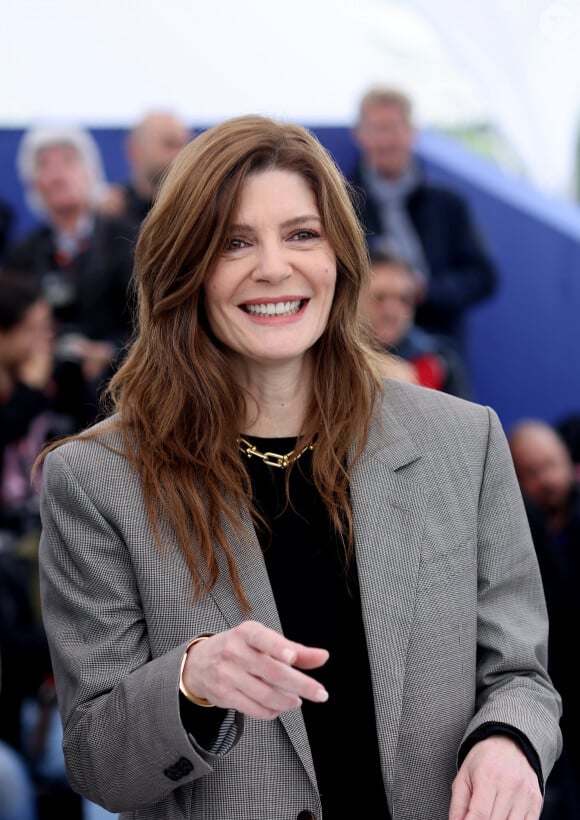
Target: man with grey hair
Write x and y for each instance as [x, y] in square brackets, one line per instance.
[82, 258]
[428, 225]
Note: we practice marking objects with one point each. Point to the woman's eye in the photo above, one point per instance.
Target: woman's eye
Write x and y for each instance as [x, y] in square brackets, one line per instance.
[235, 243]
[304, 233]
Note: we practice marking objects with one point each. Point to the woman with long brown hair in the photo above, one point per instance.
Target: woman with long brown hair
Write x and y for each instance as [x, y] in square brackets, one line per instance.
[337, 563]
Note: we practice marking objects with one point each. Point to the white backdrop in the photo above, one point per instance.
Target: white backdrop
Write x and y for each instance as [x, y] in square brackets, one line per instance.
[514, 63]
[523, 56]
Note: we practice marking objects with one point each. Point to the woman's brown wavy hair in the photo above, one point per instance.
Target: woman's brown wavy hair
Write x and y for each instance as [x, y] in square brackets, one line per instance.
[174, 398]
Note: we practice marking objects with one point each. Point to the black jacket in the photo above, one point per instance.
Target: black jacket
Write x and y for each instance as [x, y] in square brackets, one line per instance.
[100, 275]
[462, 271]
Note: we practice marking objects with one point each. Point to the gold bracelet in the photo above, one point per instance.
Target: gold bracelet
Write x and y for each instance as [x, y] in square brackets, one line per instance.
[182, 687]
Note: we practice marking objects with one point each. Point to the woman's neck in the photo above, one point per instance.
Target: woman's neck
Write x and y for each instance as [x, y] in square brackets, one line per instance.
[278, 399]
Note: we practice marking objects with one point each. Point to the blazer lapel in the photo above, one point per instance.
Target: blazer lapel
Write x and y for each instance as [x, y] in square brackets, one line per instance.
[252, 568]
[389, 493]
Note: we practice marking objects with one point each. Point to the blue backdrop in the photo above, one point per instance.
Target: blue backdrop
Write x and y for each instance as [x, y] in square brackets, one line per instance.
[524, 343]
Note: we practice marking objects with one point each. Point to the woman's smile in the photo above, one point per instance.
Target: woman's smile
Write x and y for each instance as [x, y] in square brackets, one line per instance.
[270, 294]
[272, 311]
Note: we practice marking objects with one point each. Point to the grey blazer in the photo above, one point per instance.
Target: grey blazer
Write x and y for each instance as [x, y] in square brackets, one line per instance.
[452, 603]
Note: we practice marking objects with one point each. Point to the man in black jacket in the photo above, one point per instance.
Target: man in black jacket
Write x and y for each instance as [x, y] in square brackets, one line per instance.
[430, 226]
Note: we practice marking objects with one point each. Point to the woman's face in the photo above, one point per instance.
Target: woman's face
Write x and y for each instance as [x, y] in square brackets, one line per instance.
[269, 296]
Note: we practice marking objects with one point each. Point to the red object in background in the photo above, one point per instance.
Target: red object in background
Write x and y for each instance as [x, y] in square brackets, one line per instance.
[430, 371]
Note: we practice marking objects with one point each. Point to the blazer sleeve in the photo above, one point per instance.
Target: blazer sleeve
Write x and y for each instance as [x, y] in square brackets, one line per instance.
[124, 742]
[512, 617]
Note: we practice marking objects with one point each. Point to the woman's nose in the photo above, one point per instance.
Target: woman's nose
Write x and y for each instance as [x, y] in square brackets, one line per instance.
[273, 264]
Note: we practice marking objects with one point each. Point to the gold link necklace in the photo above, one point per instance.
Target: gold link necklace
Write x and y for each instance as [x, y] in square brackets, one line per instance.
[272, 459]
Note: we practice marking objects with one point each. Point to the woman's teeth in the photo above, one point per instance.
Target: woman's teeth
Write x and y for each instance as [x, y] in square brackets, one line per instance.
[274, 308]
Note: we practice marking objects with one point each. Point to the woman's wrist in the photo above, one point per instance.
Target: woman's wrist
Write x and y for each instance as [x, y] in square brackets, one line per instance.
[182, 687]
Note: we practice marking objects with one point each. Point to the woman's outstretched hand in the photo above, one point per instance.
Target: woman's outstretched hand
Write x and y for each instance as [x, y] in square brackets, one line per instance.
[254, 670]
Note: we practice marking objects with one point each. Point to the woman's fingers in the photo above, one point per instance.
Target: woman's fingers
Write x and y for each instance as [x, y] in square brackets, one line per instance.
[254, 669]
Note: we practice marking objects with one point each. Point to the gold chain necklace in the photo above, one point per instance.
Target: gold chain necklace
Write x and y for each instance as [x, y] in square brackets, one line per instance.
[272, 459]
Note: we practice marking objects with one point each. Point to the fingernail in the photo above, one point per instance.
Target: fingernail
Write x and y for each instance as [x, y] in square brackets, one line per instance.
[321, 696]
[289, 656]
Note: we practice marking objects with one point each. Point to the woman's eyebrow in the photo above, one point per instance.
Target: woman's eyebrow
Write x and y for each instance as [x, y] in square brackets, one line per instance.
[288, 223]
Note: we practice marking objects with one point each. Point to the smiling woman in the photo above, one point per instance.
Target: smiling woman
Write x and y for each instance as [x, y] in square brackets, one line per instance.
[269, 296]
[266, 539]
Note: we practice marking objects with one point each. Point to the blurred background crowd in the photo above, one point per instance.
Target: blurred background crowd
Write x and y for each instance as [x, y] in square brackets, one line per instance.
[475, 290]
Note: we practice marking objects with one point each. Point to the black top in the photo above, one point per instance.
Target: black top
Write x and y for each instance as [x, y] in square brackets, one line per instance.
[319, 605]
